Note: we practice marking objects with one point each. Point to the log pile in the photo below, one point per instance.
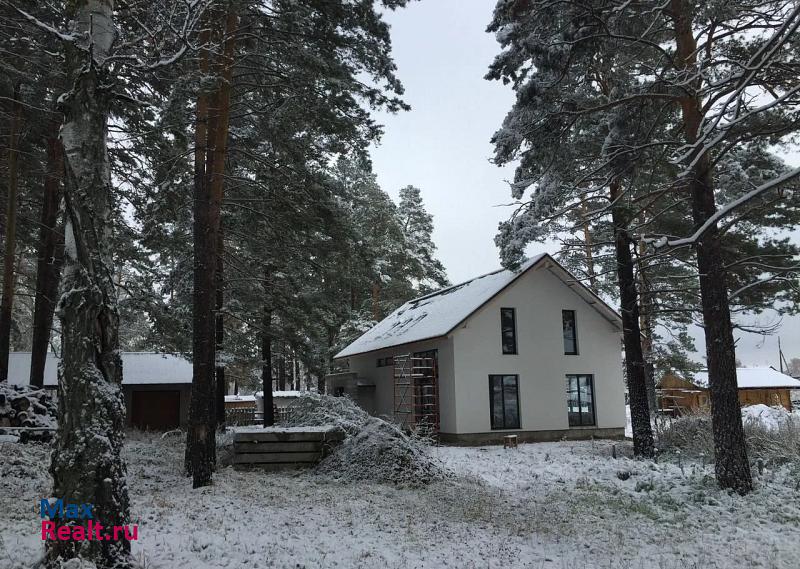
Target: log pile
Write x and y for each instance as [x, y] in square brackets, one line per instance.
[27, 411]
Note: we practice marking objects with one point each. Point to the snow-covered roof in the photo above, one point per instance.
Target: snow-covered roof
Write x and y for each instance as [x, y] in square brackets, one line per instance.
[754, 378]
[281, 393]
[138, 368]
[235, 398]
[439, 313]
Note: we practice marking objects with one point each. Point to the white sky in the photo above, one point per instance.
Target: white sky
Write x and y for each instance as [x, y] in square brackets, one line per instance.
[442, 145]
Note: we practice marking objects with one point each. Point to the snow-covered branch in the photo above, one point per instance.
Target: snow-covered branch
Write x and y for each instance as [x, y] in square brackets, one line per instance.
[726, 210]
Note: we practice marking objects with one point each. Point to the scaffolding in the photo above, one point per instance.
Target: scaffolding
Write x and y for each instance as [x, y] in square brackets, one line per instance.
[416, 394]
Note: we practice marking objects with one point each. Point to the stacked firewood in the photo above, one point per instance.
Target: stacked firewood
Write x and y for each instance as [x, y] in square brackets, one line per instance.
[29, 408]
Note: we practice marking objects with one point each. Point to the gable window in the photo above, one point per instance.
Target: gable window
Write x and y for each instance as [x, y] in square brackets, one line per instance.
[508, 330]
[570, 332]
[580, 400]
[504, 401]
[385, 362]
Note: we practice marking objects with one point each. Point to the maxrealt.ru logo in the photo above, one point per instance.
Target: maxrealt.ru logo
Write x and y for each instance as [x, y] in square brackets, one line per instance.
[93, 530]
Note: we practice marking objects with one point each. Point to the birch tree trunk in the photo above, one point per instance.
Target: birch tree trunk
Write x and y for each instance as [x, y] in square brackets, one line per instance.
[631, 334]
[731, 466]
[86, 464]
[49, 257]
[10, 244]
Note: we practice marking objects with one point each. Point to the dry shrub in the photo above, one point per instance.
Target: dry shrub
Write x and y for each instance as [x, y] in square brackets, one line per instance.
[774, 440]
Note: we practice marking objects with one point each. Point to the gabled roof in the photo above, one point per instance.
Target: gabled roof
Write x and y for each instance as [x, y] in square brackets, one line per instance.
[439, 313]
[753, 378]
[138, 368]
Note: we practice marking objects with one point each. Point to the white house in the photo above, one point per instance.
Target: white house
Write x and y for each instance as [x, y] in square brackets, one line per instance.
[532, 352]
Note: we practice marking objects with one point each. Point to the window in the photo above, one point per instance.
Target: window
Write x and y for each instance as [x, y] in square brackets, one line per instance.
[570, 332]
[385, 362]
[580, 400]
[508, 330]
[504, 401]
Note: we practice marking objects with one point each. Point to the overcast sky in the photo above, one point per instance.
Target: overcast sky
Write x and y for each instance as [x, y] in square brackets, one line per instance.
[442, 145]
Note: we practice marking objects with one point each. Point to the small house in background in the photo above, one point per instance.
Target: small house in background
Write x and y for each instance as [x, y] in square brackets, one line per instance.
[757, 385]
[240, 402]
[157, 387]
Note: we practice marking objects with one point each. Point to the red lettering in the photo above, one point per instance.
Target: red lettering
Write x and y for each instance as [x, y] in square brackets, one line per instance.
[64, 533]
[133, 535]
[48, 529]
[116, 532]
[97, 528]
[78, 533]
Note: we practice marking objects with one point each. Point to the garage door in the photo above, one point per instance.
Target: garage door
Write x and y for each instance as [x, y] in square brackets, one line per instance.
[156, 410]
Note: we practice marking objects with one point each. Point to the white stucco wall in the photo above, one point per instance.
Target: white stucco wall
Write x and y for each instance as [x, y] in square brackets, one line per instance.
[365, 366]
[538, 297]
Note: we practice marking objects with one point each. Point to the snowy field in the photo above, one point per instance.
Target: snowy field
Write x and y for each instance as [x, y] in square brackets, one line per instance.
[561, 505]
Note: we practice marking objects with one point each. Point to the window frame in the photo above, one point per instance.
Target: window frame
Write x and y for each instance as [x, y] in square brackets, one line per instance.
[513, 312]
[388, 361]
[574, 314]
[577, 377]
[504, 426]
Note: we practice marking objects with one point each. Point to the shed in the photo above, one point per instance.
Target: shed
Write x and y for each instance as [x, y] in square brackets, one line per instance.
[757, 385]
[156, 386]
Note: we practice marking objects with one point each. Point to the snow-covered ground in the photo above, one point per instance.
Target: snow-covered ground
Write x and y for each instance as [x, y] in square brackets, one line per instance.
[562, 505]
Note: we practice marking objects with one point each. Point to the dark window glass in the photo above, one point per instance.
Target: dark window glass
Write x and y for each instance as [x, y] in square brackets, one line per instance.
[508, 329]
[385, 362]
[570, 332]
[504, 401]
[580, 400]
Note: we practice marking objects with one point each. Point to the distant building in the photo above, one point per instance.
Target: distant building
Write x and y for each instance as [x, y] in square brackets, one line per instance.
[531, 352]
[157, 387]
[757, 385]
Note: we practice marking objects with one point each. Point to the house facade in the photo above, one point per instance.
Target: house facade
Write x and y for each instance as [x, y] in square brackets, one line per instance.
[531, 352]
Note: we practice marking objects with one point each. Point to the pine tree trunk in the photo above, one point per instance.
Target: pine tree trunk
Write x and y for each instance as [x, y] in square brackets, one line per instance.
[646, 325]
[266, 358]
[282, 368]
[86, 464]
[50, 255]
[219, 334]
[6, 306]
[200, 439]
[631, 335]
[588, 245]
[731, 465]
[211, 136]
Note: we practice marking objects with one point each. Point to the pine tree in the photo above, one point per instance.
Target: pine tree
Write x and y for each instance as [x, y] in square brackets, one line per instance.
[417, 225]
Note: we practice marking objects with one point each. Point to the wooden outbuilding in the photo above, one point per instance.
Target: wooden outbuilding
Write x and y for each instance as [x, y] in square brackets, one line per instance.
[757, 385]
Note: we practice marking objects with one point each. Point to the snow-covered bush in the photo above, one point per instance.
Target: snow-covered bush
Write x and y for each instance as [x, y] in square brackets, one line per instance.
[373, 449]
[315, 410]
[381, 452]
[772, 434]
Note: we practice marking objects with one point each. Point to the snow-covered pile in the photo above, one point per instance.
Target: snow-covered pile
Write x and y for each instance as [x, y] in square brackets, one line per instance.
[315, 410]
[381, 452]
[772, 433]
[768, 417]
[24, 406]
[373, 450]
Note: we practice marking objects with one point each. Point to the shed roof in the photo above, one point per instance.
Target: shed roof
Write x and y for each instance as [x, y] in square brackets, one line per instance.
[138, 368]
[439, 313]
[754, 378]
